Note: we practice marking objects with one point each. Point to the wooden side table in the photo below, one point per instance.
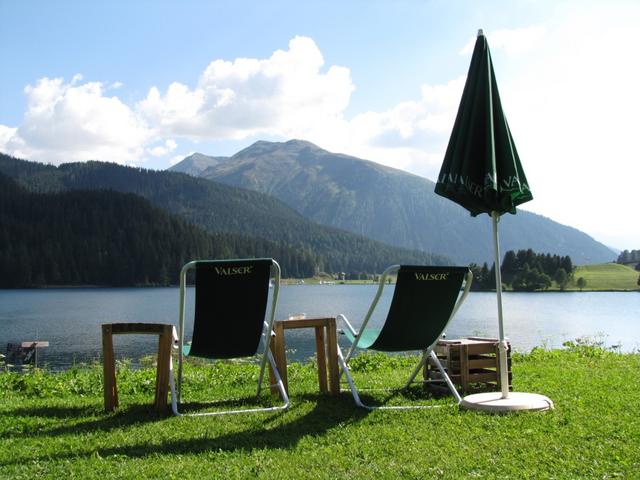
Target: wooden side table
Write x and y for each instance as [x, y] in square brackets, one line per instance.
[326, 351]
[166, 333]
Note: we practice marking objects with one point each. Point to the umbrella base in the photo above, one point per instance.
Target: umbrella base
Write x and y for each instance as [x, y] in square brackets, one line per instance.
[515, 402]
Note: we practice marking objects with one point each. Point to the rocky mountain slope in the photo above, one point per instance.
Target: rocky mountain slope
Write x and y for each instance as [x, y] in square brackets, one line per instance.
[390, 205]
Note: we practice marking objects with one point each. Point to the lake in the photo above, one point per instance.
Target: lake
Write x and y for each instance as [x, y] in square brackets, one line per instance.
[70, 318]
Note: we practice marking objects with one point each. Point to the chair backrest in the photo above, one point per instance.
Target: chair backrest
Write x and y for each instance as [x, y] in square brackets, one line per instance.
[230, 305]
[423, 302]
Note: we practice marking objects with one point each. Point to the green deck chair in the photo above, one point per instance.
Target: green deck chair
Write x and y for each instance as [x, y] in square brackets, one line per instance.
[424, 302]
[231, 298]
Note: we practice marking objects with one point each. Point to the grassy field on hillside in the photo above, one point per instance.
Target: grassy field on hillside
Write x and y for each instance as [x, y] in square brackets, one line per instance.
[53, 426]
[607, 276]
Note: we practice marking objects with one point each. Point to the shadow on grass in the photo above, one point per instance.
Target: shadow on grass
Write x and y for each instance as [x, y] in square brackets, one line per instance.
[72, 418]
[415, 396]
[51, 412]
[326, 414]
[191, 407]
[270, 433]
[77, 420]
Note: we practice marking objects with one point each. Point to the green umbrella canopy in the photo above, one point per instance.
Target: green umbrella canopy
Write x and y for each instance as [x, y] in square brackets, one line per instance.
[481, 169]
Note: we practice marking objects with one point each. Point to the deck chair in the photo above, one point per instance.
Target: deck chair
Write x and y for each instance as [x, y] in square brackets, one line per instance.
[231, 299]
[424, 302]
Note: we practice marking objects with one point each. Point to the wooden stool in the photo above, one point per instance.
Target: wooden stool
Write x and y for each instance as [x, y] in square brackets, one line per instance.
[166, 334]
[326, 351]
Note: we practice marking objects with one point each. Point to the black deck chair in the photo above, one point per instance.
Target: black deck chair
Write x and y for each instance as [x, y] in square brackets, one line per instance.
[230, 319]
[424, 301]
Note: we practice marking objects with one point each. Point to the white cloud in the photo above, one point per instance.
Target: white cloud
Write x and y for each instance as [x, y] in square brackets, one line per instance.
[6, 134]
[290, 94]
[287, 94]
[409, 136]
[162, 150]
[76, 122]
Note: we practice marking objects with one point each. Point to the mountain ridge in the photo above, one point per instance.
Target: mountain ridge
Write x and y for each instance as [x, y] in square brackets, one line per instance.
[198, 162]
[390, 205]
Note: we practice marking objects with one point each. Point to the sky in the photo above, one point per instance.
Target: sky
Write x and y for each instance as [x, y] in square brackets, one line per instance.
[147, 83]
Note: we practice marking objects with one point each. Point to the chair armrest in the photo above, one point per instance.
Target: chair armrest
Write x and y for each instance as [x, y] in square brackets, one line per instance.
[346, 322]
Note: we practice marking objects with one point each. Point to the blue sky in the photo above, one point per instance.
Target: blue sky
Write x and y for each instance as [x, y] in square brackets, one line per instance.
[149, 82]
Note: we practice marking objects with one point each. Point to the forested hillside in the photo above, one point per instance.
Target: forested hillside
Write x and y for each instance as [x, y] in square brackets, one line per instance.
[109, 238]
[221, 209]
[525, 270]
[629, 257]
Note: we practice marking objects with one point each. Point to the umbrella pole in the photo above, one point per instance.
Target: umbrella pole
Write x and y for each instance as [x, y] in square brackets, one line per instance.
[504, 401]
[504, 376]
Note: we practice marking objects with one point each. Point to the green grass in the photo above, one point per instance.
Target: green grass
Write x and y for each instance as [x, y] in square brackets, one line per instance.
[53, 426]
[607, 276]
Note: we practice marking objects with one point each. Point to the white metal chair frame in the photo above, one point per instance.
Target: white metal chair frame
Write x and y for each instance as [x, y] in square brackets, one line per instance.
[265, 341]
[428, 353]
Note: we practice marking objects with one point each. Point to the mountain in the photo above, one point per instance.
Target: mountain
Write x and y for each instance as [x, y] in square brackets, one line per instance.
[221, 208]
[196, 163]
[391, 205]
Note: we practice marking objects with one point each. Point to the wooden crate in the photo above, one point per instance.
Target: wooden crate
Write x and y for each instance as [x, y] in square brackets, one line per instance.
[471, 363]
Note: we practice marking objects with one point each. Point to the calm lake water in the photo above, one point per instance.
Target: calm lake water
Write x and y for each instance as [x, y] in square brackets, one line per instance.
[70, 318]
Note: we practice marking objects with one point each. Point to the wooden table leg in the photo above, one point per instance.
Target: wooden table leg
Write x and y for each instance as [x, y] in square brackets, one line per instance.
[162, 371]
[109, 370]
[322, 359]
[332, 354]
[280, 356]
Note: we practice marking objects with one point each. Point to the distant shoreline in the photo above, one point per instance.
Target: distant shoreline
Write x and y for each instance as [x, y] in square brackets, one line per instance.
[308, 282]
[610, 277]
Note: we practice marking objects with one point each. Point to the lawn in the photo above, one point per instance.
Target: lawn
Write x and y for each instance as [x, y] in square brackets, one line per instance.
[53, 426]
[608, 276]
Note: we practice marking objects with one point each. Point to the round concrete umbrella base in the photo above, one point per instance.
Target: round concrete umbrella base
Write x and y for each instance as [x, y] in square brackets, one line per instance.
[515, 402]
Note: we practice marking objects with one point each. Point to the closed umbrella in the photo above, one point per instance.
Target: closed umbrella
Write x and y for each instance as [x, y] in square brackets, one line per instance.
[482, 172]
